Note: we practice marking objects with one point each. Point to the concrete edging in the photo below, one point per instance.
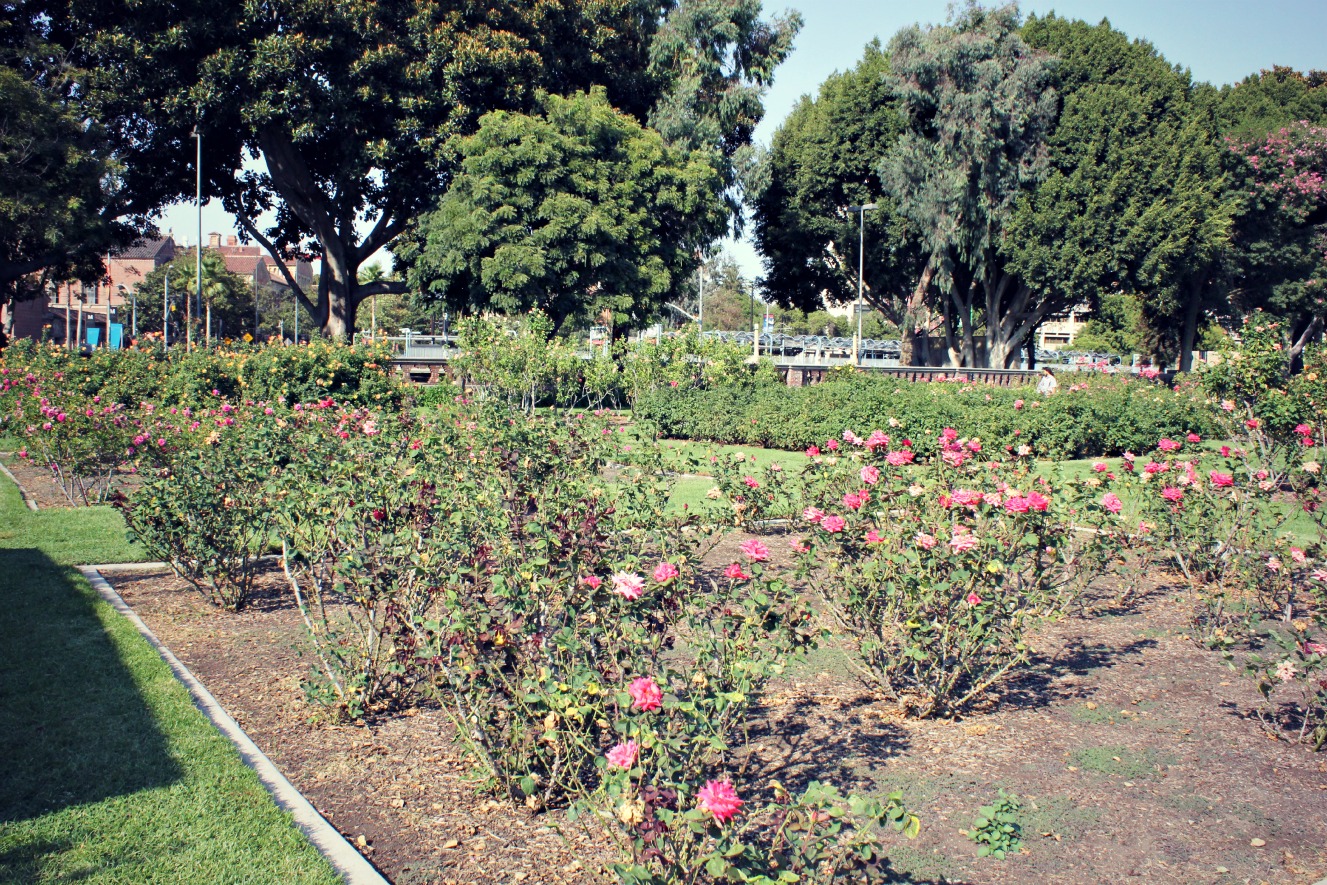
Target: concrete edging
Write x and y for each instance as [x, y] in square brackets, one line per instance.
[22, 492]
[349, 863]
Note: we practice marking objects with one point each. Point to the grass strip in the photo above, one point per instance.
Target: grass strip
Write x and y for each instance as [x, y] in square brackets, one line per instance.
[66, 535]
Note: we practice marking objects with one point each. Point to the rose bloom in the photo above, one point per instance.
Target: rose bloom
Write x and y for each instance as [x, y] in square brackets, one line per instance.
[925, 541]
[624, 755]
[813, 514]
[964, 541]
[1194, 438]
[874, 537]
[974, 599]
[812, 451]
[870, 474]
[1112, 502]
[750, 482]
[1312, 467]
[966, 498]
[954, 458]
[992, 499]
[797, 545]
[1167, 445]
[916, 490]
[1298, 556]
[592, 581]
[645, 694]
[1285, 671]
[628, 585]
[876, 440]
[1017, 504]
[1221, 480]
[755, 549]
[1228, 405]
[1172, 494]
[1018, 404]
[1273, 564]
[1252, 423]
[734, 572]
[832, 524]
[1303, 429]
[1038, 502]
[832, 445]
[1100, 467]
[719, 799]
[664, 572]
[899, 458]
[850, 437]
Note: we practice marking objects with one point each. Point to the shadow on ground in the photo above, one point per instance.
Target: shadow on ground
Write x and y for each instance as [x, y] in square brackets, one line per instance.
[74, 726]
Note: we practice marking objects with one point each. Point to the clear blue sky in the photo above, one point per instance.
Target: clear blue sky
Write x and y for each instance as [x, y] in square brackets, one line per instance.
[1220, 41]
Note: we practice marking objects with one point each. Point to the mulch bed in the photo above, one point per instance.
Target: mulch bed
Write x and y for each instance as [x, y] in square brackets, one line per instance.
[1132, 750]
[40, 485]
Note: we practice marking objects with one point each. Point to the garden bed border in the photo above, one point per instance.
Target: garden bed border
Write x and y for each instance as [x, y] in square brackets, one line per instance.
[339, 853]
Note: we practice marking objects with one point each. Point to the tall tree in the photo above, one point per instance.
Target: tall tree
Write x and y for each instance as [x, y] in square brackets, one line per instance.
[1134, 199]
[576, 211]
[61, 201]
[979, 104]
[823, 160]
[1264, 102]
[351, 105]
[230, 296]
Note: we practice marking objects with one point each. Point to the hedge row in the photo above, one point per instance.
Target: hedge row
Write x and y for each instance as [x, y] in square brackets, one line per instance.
[1098, 417]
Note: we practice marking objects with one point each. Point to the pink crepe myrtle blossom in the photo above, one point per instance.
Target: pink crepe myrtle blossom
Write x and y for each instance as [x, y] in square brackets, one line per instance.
[833, 524]
[719, 799]
[628, 586]
[665, 572]
[1112, 502]
[755, 550]
[734, 573]
[624, 754]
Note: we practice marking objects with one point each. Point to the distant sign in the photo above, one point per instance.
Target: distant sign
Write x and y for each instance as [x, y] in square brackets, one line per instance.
[769, 324]
[115, 336]
[94, 336]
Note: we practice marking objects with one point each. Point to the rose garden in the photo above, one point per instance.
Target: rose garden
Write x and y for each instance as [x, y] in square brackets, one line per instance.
[509, 615]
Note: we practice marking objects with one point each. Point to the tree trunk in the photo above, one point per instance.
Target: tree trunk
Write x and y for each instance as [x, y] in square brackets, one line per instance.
[913, 329]
[1189, 334]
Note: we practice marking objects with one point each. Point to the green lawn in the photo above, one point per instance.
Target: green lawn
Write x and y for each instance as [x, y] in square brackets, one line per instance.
[67, 535]
[110, 774]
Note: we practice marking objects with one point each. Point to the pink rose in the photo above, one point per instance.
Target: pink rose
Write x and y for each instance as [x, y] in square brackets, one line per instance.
[628, 585]
[734, 572]
[876, 440]
[1194, 438]
[1017, 505]
[664, 572]
[870, 474]
[624, 755]
[755, 550]
[854, 500]
[812, 451]
[719, 799]
[1168, 445]
[833, 524]
[962, 542]
[832, 445]
[925, 541]
[750, 482]
[1038, 502]
[1298, 556]
[1100, 467]
[797, 545]
[874, 537]
[1018, 404]
[1172, 494]
[974, 599]
[1221, 480]
[645, 694]
[1112, 502]
[813, 514]
[899, 458]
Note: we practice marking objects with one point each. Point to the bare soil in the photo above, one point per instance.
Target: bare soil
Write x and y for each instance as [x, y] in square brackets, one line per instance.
[1134, 754]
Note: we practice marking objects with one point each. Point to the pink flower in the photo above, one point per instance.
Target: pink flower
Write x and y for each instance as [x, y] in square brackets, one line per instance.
[855, 500]
[645, 694]
[664, 572]
[1228, 405]
[925, 541]
[1285, 671]
[832, 524]
[1221, 480]
[1273, 564]
[874, 537]
[628, 585]
[953, 458]
[750, 482]
[1194, 438]
[898, 459]
[734, 572]
[1018, 404]
[755, 550]
[812, 451]
[1303, 429]
[966, 498]
[1252, 423]
[624, 755]
[797, 545]
[1225, 451]
[1017, 504]
[876, 440]
[992, 499]
[719, 799]
[963, 541]
[370, 428]
[1173, 494]
[948, 435]
[832, 445]
[813, 514]
[1100, 467]
[1038, 502]
[974, 599]
[870, 474]
[1297, 556]
[1111, 502]
[1168, 445]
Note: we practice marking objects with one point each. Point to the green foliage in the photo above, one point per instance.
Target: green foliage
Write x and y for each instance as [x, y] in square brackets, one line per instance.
[229, 296]
[578, 212]
[823, 159]
[1291, 676]
[997, 829]
[1113, 327]
[207, 510]
[1102, 416]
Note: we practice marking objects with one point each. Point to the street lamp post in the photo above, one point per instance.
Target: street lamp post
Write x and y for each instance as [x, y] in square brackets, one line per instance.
[861, 273]
[198, 247]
